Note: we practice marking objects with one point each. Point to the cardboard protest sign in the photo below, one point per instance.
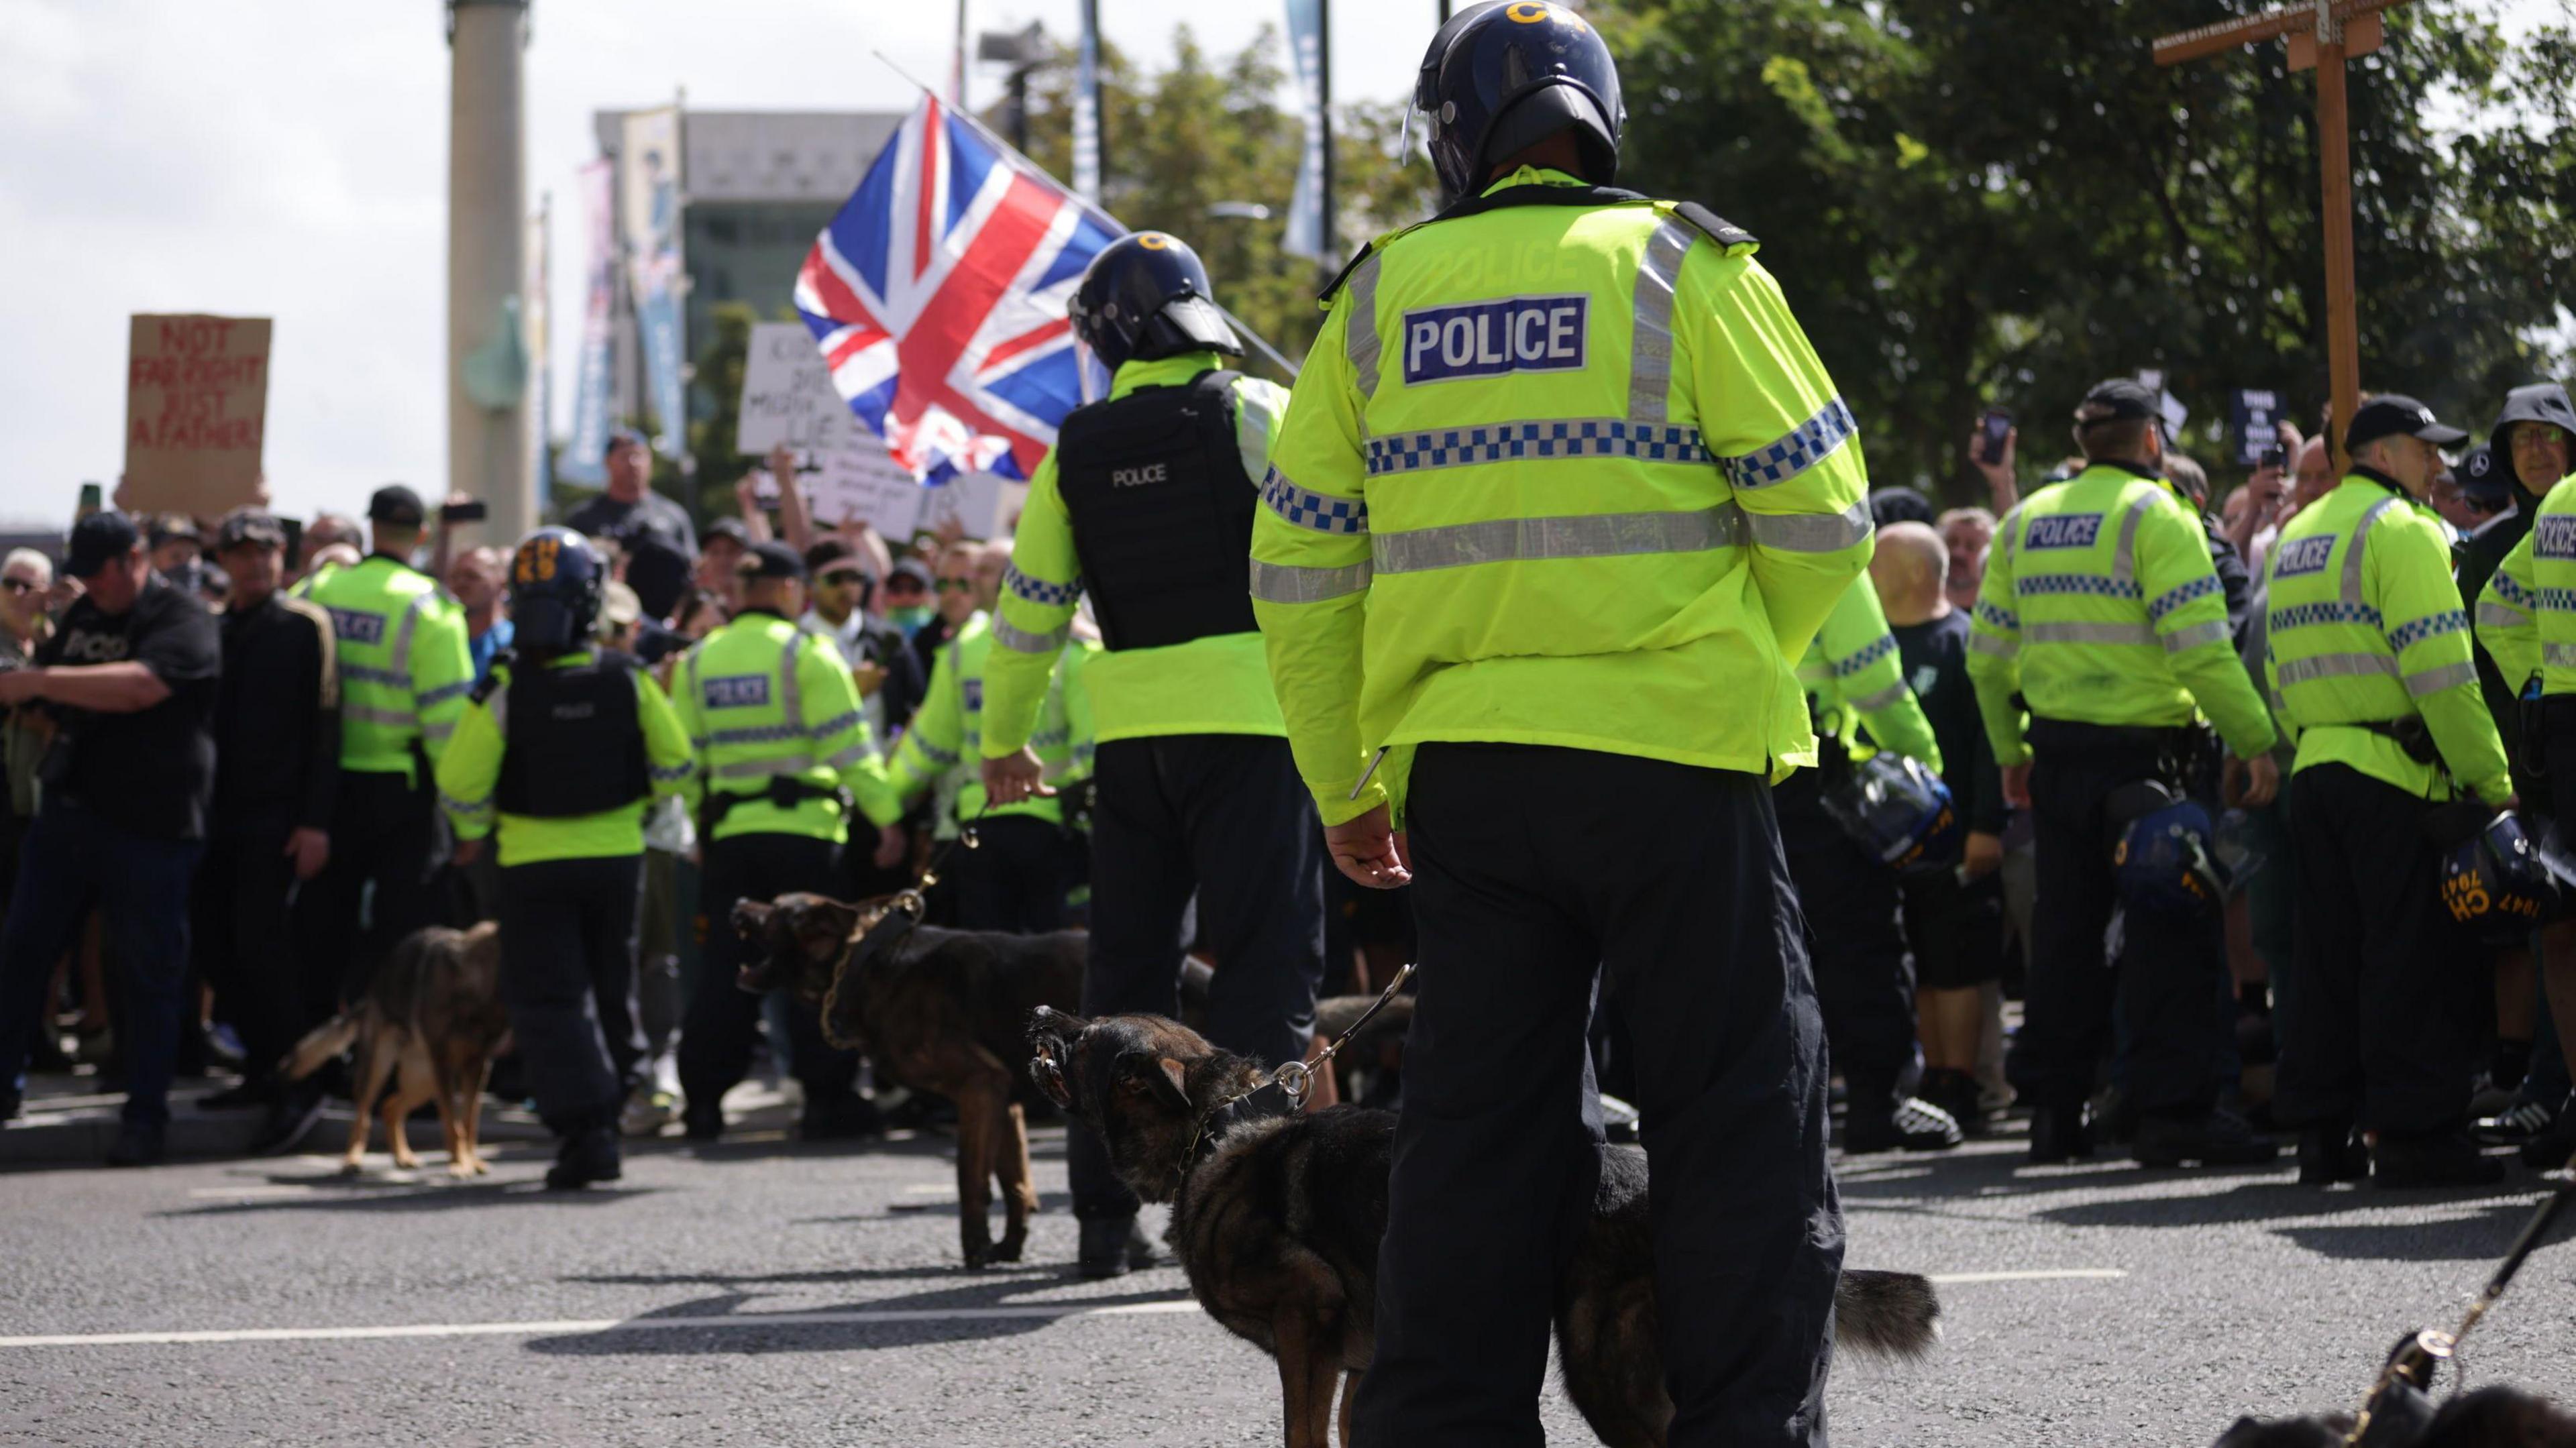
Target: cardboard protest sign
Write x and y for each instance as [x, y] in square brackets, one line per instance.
[787, 394]
[196, 407]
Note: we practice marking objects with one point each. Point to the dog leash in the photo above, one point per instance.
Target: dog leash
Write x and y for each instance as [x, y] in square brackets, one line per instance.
[2416, 1361]
[912, 901]
[1293, 1078]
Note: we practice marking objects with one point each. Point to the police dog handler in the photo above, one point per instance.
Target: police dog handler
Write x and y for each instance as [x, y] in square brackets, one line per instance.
[1562, 496]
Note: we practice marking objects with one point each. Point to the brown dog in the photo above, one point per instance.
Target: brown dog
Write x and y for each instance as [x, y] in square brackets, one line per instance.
[937, 1010]
[432, 1020]
[1278, 1223]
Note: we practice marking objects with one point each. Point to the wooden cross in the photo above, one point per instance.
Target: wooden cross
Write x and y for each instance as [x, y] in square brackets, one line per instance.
[2322, 34]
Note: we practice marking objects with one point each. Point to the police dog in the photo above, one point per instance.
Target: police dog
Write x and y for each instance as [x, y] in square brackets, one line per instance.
[937, 1010]
[1278, 1225]
[432, 1020]
[2495, 1417]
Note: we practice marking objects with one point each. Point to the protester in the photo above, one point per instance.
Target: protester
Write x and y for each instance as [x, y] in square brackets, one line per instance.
[1966, 533]
[907, 597]
[277, 780]
[719, 565]
[26, 576]
[130, 679]
[628, 510]
[888, 674]
[178, 551]
[475, 579]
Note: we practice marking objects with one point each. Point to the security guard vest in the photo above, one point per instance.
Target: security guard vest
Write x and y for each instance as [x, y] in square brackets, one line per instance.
[2366, 647]
[2101, 606]
[1561, 469]
[405, 667]
[943, 748]
[2527, 616]
[1162, 513]
[781, 744]
[574, 746]
[1853, 677]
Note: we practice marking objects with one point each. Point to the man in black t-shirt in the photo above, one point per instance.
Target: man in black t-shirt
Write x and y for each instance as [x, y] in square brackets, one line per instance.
[1954, 918]
[629, 511]
[121, 818]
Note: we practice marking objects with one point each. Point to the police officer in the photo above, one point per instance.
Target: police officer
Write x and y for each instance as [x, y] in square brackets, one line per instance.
[1851, 897]
[2367, 656]
[563, 746]
[405, 669]
[1146, 503]
[783, 756]
[1562, 498]
[1017, 876]
[2102, 614]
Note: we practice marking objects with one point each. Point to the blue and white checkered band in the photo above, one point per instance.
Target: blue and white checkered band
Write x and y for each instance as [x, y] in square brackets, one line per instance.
[1591, 437]
[1489, 339]
[358, 626]
[1811, 443]
[974, 690]
[2554, 536]
[738, 691]
[2064, 530]
[2305, 555]
[1039, 591]
[1309, 509]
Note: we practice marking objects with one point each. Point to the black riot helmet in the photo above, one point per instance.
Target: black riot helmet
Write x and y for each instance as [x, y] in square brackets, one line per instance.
[1146, 296]
[555, 585]
[1501, 78]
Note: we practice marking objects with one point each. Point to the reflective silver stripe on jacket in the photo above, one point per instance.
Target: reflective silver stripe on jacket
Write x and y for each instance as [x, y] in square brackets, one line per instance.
[2090, 633]
[1650, 344]
[2352, 550]
[1994, 644]
[1359, 337]
[2558, 656]
[2335, 666]
[403, 632]
[390, 718]
[2434, 681]
[445, 692]
[368, 674]
[2124, 559]
[1289, 583]
[1596, 535]
[843, 759]
[497, 703]
[1884, 698]
[1811, 532]
[2183, 639]
[1807, 444]
[790, 703]
[1020, 640]
[2499, 615]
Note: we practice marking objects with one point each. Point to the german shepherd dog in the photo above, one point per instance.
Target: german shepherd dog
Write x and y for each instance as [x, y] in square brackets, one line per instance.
[432, 1020]
[937, 1010]
[2496, 1417]
[1278, 1224]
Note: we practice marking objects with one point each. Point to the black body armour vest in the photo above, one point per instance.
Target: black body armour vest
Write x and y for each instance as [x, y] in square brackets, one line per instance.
[574, 742]
[1162, 513]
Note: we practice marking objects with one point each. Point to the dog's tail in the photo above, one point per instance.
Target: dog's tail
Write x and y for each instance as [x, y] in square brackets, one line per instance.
[324, 1043]
[1886, 1314]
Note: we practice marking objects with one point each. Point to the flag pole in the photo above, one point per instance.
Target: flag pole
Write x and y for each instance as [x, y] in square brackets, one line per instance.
[1092, 209]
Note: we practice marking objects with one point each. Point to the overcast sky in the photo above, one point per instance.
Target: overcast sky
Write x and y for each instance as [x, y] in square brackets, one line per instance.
[287, 159]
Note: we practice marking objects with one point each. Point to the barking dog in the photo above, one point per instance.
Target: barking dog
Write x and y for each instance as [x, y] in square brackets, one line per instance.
[2497, 1417]
[432, 1020]
[937, 1010]
[1278, 1226]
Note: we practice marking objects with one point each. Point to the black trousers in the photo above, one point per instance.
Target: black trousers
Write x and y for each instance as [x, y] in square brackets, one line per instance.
[1226, 816]
[723, 1019]
[244, 939]
[1535, 869]
[384, 834]
[1015, 879]
[2378, 1013]
[568, 931]
[1864, 974]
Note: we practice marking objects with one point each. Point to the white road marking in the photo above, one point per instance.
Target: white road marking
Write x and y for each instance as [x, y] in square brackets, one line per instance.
[1040, 1312]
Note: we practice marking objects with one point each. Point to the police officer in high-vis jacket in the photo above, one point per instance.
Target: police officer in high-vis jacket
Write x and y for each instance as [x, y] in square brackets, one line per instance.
[1562, 498]
[783, 760]
[405, 670]
[2103, 621]
[2367, 657]
[1146, 504]
[1853, 899]
[559, 752]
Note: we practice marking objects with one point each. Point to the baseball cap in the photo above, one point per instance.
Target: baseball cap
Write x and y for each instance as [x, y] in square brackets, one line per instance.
[619, 605]
[772, 560]
[168, 527]
[1900, 505]
[96, 540]
[620, 435]
[913, 569]
[396, 504]
[2481, 481]
[2392, 415]
[249, 525]
[729, 528]
[2116, 400]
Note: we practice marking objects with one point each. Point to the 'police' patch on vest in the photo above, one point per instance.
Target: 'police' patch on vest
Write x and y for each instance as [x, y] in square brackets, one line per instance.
[2064, 530]
[1488, 339]
[2554, 536]
[738, 691]
[2306, 555]
[358, 626]
[974, 691]
[1143, 475]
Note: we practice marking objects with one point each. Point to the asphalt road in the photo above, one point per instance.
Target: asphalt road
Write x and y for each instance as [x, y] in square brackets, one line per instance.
[765, 1292]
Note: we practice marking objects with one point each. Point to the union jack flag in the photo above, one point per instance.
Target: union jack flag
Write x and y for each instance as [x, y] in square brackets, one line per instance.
[938, 298]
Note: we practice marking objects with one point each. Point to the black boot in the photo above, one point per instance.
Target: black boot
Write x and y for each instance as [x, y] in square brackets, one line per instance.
[2548, 1151]
[1908, 1124]
[1113, 1246]
[841, 1119]
[138, 1143]
[2058, 1135]
[2433, 1159]
[2330, 1154]
[702, 1123]
[1956, 1092]
[588, 1155]
[2211, 1138]
[292, 1114]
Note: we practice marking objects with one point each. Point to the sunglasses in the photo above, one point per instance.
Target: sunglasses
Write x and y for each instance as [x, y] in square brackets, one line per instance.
[956, 585]
[17, 585]
[840, 578]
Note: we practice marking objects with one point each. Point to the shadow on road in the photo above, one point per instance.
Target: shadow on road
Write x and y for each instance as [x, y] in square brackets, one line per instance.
[735, 1336]
[335, 1193]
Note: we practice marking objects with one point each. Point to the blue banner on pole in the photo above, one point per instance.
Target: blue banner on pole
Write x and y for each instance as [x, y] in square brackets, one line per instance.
[1086, 108]
[1306, 203]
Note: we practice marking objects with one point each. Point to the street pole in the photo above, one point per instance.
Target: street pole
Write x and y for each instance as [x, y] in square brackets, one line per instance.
[1329, 238]
[2334, 136]
[487, 228]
